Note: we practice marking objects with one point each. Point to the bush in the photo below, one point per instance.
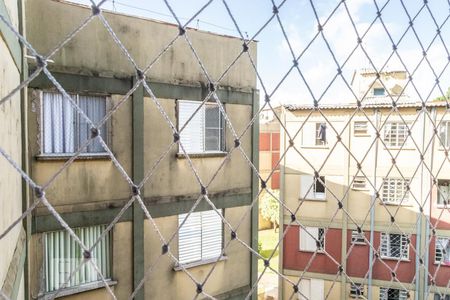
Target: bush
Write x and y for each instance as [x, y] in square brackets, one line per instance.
[270, 207]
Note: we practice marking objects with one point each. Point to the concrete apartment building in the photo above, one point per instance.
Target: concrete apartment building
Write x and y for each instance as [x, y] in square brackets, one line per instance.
[398, 193]
[12, 189]
[91, 191]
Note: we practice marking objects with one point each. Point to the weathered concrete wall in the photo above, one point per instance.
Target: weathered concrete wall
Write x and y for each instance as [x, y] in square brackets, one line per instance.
[93, 50]
[10, 142]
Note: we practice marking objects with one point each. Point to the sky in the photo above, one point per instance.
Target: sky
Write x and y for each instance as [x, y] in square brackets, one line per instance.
[317, 65]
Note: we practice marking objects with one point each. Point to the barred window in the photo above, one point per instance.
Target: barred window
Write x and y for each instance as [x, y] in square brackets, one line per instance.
[441, 297]
[358, 238]
[309, 236]
[395, 134]
[205, 132]
[443, 191]
[394, 246]
[444, 134]
[393, 294]
[359, 183]
[64, 130]
[395, 190]
[356, 290]
[360, 128]
[200, 237]
[442, 248]
[62, 255]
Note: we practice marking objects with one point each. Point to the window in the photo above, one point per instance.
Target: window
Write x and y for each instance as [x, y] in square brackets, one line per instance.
[321, 134]
[311, 289]
[356, 290]
[394, 246]
[393, 294]
[443, 192]
[441, 297]
[312, 188]
[360, 128]
[309, 236]
[205, 132]
[64, 130]
[395, 134]
[62, 256]
[358, 238]
[379, 91]
[200, 237]
[444, 134]
[442, 251]
[395, 190]
[359, 183]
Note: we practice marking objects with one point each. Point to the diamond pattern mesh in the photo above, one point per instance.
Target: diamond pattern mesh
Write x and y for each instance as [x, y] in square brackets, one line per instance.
[391, 195]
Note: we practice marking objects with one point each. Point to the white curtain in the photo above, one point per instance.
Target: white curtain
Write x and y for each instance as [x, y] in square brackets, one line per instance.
[95, 108]
[58, 124]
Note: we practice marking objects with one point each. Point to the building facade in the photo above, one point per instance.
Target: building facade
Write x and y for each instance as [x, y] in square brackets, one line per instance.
[92, 190]
[12, 189]
[359, 198]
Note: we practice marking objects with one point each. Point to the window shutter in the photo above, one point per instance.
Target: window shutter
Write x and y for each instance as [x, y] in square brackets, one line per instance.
[307, 242]
[211, 234]
[317, 285]
[190, 238]
[192, 136]
[309, 134]
[306, 187]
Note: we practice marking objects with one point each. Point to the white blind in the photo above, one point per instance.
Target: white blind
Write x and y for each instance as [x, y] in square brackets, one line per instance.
[193, 136]
[306, 187]
[63, 255]
[200, 237]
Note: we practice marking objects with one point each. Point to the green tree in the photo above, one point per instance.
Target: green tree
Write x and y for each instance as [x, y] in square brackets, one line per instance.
[270, 207]
[442, 98]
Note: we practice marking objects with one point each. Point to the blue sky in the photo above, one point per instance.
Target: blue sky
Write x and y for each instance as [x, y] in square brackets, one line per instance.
[317, 65]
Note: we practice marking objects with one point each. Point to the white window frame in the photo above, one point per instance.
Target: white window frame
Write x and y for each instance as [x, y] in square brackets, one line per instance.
[308, 187]
[439, 243]
[399, 194]
[361, 128]
[386, 247]
[444, 135]
[358, 238]
[308, 243]
[384, 294]
[101, 254]
[76, 96]
[359, 183]
[391, 137]
[195, 237]
[443, 192]
[317, 141]
[354, 288]
[202, 110]
[311, 289]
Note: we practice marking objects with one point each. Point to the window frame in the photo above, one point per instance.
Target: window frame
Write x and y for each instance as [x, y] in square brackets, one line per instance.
[402, 294]
[361, 132]
[441, 261]
[439, 194]
[405, 198]
[108, 123]
[317, 141]
[80, 287]
[358, 238]
[202, 260]
[388, 143]
[307, 230]
[354, 290]
[359, 179]
[444, 126]
[222, 130]
[389, 247]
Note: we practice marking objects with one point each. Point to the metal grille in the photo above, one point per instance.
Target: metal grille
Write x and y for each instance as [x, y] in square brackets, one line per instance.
[390, 133]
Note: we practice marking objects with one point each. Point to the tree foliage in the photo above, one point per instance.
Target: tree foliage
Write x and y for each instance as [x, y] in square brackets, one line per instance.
[442, 98]
[270, 208]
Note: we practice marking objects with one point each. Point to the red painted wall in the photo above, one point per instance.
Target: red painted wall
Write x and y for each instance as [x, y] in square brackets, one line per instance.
[264, 141]
[441, 274]
[295, 259]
